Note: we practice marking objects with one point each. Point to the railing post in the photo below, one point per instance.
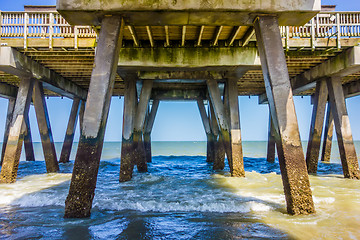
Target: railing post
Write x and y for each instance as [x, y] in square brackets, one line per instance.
[287, 38]
[76, 30]
[26, 21]
[51, 30]
[317, 33]
[312, 34]
[338, 43]
[1, 23]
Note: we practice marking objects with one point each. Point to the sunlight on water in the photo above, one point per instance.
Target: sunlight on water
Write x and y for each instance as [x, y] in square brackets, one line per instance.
[337, 202]
[30, 184]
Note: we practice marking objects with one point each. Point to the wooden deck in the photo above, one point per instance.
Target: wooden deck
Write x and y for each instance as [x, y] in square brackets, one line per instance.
[68, 50]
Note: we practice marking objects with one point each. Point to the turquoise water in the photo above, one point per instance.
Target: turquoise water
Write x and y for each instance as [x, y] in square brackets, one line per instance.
[252, 149]
[181, 197]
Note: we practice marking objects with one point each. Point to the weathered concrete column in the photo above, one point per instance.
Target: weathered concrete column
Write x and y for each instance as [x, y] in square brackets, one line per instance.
[10, 110]
[348, 156]
[328, 135]
[278, 90]
[83, 182]
[28, 144]
[218, 146]
[70, 131]
[16, 132]
[207, 128]
[271, 142]
[150, 119]
[139, 123]
[43, 120]
[237, 162]
[127, 145]
[81, 114]
[317, 122]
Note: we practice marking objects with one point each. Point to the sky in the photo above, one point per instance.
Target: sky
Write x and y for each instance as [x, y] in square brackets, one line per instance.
[180, 121]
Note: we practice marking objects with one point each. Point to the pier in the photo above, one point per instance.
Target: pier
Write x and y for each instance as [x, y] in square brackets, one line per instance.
[210, 53]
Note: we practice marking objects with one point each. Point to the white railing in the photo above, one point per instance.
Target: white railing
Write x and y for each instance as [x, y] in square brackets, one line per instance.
[51, 25]
[48, 25]
[335, 25]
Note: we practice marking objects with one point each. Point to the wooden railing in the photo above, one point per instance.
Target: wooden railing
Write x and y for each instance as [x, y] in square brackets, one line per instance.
[51, 25]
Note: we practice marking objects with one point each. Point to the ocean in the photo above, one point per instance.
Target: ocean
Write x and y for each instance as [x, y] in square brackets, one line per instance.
[180, 197]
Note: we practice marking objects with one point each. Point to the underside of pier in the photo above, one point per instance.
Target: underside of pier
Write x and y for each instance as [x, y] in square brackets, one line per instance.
[209, 53]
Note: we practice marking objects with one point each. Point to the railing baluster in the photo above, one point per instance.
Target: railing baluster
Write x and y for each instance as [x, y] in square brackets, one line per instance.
[312, 35]
[1, 24]
[26, 18]
[51, 30]
[76, 37]
[338, 42]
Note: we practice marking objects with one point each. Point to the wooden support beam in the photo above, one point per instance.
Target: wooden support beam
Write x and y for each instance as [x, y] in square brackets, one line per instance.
[236, 155]
[83, 182]
[9, 115]
[347, 151]
[247, 36]
[271, 142]
[294, 174]
[134, 35]
[16, 133]
[127, 144]
[344, 64]
[43, 120]
[8, 91]
[16, 63]
[28, 144]
[317, 122]
[148, 30]
[198, 43]
[167, 36]
[217, 35]
[328, 135]
[183, 35]
[70, 131]
[233, 35]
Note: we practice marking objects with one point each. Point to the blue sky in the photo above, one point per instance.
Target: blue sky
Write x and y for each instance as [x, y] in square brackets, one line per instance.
[180, 121]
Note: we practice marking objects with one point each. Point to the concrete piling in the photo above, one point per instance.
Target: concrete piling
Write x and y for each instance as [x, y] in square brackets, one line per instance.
[28, 144]
[328, 135]
[207, 128]
[127, 145]
[149, 123]
[83, 182]
[348, 156]
[140, 115]
[316, 127]
[16, 132]
[70, 131]
[270, 157]
[218, 146]
[237, 162]
[44, 128]
[278, 90]
[10, 110]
